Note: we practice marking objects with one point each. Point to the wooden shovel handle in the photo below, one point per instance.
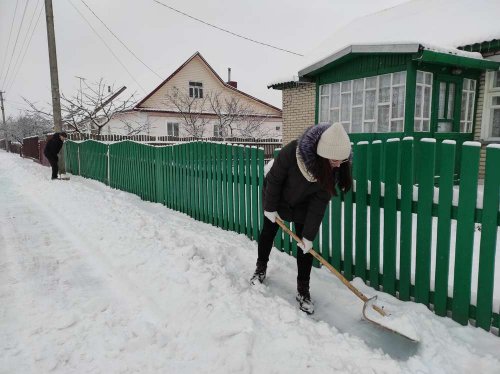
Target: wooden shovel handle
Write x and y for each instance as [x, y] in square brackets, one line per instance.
[348, 284]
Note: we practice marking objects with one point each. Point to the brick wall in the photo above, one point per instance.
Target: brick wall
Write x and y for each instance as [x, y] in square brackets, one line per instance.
[298, 110]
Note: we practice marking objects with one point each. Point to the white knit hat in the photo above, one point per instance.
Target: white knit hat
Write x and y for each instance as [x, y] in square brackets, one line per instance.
[334, 143]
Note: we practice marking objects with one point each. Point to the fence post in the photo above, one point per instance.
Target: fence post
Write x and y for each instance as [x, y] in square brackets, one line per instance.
[465, 231]
[488, 239]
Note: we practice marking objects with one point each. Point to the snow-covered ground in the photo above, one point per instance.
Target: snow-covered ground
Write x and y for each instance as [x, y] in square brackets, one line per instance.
[96, 280]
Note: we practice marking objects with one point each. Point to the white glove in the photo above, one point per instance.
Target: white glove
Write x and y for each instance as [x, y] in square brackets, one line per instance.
[271, 216]
[306, 245]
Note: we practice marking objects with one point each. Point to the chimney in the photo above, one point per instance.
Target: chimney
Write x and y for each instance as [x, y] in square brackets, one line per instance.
[229, 81]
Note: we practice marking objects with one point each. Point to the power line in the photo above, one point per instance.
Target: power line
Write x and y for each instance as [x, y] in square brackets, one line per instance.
[227, 31]
[107, 46]
[8, 43]
[27, 46]
[17, 38]
[122, 43]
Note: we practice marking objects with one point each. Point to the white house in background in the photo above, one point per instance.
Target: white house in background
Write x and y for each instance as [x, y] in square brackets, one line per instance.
[195, 82]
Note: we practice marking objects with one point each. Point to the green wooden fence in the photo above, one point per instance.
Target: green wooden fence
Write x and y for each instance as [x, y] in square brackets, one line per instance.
[387, 222]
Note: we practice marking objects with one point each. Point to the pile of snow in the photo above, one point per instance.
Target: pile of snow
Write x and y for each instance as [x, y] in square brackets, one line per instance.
[96, 280]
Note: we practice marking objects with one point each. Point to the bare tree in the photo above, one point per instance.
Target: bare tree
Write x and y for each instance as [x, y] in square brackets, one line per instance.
[27, 124]
[91, 109]
[192, 110]
[251, 127]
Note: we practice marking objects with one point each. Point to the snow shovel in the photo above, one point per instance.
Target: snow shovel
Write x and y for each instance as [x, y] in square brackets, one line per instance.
[410, 335]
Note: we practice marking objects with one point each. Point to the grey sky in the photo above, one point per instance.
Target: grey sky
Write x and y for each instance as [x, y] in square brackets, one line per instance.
[165, 39]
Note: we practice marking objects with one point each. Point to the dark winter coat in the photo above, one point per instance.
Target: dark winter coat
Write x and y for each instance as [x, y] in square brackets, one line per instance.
[53, 146]
[288, 192]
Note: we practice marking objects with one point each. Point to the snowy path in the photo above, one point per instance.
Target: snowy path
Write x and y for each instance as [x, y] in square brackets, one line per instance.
[96, 280]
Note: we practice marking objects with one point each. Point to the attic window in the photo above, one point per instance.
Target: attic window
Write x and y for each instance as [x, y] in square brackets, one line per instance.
[196, 90]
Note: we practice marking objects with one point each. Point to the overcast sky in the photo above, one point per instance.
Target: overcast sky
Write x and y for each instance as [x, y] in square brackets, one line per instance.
[164, 39]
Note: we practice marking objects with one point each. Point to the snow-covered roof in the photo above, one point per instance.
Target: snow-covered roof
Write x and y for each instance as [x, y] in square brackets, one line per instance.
[436, 25]
[446, 24]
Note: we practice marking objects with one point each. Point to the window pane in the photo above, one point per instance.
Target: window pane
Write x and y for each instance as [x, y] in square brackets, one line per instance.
[370, 104]
[325, 89]
[357, 98]
[418, 101]
[399, 78]
[384, 92]
[428, 78]
[420, 77]
[323, 117]
[444, 127]
[334, 115]
[496, 80]
[357, 120]
[398, 102]
[495, 100]
[369, 126]
[442, 98]
[417, 125]
[471, 106]
[427, 102]
[397, 126]
[383, 118]
[451, 100]
[335, 96]
[426, 125]
[371, 82]
[345, 113]
[346, 86]
[495, 125]
[463, 126]
[464, 106]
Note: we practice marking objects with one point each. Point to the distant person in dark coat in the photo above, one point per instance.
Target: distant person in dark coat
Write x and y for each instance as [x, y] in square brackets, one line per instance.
[298, 188]
[52, 149]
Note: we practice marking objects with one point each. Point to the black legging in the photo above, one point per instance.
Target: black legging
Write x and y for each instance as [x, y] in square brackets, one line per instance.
[54, 163]
[266, 240]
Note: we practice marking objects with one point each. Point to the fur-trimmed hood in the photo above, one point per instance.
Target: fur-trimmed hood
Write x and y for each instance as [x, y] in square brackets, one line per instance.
[306, 151]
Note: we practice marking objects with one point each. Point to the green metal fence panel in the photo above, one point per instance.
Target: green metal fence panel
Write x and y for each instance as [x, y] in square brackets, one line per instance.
[241, 159]
[336, 228]
[489, 231]
[448, 150]
[261, 156]
[236, 183]
[255, 193]
[325, 235]
[361, 151]
[71, 157]
[375, 192]
[93, 160]
[230, 187]
[427, 154]
[348, 220]
[225, 203]
[390, 216]
[406, 221]
[465, 231]
[248, 192]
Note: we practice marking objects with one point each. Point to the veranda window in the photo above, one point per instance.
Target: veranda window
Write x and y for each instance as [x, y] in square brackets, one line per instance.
[467, 109]
[423, 95]
[490, 128]
[372, 104]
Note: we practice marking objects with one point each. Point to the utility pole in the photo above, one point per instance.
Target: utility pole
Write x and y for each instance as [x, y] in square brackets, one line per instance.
[4, 124]
[54, 75]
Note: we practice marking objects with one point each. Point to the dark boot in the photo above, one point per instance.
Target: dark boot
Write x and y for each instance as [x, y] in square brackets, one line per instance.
[304, 297]
[260, 273]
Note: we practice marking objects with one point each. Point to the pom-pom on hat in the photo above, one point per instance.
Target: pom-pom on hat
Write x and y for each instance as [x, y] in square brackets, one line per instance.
[334, 143]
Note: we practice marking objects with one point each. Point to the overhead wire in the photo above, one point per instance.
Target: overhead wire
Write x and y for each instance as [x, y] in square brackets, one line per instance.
[24, 48]
[227, 31]
[8, 43]
[121, 42]
[107, 46]
[15, 44]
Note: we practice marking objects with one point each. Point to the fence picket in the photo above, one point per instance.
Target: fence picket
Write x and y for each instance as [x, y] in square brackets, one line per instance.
[376, 149]
[361, 151]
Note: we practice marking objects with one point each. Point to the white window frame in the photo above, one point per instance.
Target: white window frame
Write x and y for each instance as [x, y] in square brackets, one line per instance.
[348, 124]
[196, 89]
[489, 93]
[470, 93]
[420, 117]
[173, 126]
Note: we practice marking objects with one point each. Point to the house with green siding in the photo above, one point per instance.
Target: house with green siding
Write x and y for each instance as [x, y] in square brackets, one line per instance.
[404, 71]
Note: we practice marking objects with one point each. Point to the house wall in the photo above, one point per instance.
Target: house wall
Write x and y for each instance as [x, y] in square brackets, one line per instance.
[298, 110]
[196, 70]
